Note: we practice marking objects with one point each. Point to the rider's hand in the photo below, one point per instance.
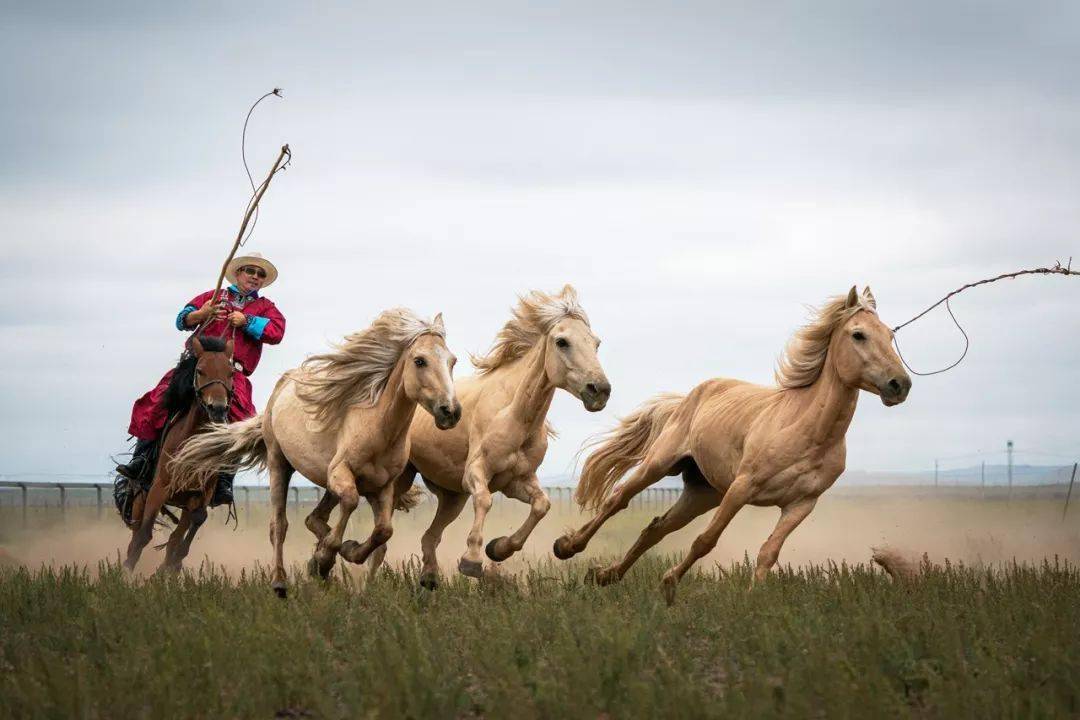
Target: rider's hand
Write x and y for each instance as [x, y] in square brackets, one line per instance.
[219, 311]
[237, 318]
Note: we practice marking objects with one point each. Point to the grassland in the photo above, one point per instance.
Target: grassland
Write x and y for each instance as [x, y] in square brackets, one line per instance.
[819, 640]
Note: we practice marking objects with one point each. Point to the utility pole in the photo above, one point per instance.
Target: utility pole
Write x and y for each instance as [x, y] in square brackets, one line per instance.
[1009, 455]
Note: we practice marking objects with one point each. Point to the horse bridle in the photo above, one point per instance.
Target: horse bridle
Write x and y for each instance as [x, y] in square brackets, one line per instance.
[229, 392]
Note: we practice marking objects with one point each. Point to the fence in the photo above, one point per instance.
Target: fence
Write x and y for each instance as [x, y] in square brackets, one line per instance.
[65, 495]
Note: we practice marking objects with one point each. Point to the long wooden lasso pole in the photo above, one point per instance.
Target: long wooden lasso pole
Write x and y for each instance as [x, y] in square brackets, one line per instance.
[283, 159]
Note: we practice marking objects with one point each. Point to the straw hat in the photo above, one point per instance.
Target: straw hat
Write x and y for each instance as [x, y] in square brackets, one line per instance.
[255, 259]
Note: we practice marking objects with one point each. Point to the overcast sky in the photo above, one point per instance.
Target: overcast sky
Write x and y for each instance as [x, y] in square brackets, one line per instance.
[699, 171]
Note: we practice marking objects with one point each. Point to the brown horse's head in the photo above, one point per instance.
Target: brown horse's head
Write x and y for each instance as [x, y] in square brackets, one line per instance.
[863, 353]
[212, 376]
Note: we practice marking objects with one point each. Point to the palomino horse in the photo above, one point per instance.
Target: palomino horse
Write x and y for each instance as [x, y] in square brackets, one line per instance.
[341, 419]
[547, 344]
[736, 444]
[201, 388]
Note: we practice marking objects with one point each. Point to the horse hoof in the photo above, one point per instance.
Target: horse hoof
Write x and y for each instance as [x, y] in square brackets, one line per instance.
[563, 549]
[350, 550]
[667, 587]
[280, 589]
[600, 576]
[471, 568]
[429, 581]
[493, 552]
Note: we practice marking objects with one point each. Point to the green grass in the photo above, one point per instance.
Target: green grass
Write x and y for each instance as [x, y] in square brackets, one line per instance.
[835, 641]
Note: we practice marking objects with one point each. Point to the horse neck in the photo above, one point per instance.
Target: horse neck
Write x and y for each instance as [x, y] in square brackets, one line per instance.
[829, 405]
[187, 424]
[395, 409]
[533, 391]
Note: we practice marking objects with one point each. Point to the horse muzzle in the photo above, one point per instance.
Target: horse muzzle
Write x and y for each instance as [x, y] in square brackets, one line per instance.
[895, 391]
[218, 413]
[595, 395]
[447, 415]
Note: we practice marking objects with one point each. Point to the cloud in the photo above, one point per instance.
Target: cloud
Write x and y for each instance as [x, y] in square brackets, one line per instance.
[698, 173]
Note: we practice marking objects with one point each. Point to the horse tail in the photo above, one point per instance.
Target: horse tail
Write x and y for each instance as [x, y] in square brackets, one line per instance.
[618, 450]
[409, 499]
[223, 449]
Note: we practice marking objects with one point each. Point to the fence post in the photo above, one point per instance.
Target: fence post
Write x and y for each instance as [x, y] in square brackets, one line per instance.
[296, 500]
[63, 501]
[247, 503]
[97, 486]
[25, 502]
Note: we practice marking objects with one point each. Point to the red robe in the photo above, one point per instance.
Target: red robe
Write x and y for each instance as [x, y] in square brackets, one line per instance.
[265, 324]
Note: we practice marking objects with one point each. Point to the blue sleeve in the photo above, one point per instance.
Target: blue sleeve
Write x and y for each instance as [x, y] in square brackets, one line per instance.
[256, 325]
[188, 309]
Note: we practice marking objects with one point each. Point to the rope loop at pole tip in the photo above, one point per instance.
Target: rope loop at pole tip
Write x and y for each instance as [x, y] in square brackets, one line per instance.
[277, 92]
[1057, 269]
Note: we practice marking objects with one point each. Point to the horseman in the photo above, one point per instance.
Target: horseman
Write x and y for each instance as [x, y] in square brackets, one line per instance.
[252, 320]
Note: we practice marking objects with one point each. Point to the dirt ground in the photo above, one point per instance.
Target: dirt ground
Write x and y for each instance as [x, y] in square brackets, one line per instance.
[958, 525]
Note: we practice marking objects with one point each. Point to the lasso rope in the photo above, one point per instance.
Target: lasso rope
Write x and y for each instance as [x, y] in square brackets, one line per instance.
[1057, 269]
[243, 156]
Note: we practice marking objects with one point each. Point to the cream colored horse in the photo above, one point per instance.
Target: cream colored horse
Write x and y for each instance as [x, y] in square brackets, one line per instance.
[736, 444]
[547, 345]
[342, 421]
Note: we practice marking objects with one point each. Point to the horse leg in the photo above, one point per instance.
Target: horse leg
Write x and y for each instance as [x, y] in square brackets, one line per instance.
[318, 521]
[280, 474]
[693, 501]
[170, 564]
[382, 506]
[657, 464]
[790, 517]
[736, 496]
[402, 484]
[198, 517]
[527, 491]
[450, 506]
[476, 482]
[142, 535]
[342, 483]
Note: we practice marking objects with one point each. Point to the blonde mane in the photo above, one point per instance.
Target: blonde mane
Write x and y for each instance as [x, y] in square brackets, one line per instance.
[356, 371]
[805, 353]
[533, 317]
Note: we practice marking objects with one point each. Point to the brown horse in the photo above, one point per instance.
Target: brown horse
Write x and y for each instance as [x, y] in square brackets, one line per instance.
[199, 393]
[739, 444]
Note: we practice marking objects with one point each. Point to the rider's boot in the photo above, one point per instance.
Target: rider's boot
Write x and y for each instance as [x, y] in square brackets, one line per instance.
[140, 459]
[223, 492]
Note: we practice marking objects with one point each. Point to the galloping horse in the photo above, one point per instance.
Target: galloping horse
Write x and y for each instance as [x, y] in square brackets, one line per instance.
[199, 393]
[547, 344]
[736, 443]
[342, 420]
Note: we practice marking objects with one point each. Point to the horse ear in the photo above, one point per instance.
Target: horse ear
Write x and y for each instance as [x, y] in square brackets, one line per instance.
[437, 323]
[852, 298]
[868, 297]
[196, 347]
[568, 292]
[230, 345]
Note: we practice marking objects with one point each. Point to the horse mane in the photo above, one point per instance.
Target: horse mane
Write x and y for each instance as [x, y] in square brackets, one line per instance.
[805, 353]
[181, 391]
[357, 370]
[532, 318]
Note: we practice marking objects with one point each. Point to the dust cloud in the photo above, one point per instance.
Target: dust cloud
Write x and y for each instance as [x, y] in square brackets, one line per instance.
[959, 526]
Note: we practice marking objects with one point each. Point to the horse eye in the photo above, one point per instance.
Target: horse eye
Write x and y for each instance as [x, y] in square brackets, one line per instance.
[858, 335]
[420, 362]
[561, 342]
